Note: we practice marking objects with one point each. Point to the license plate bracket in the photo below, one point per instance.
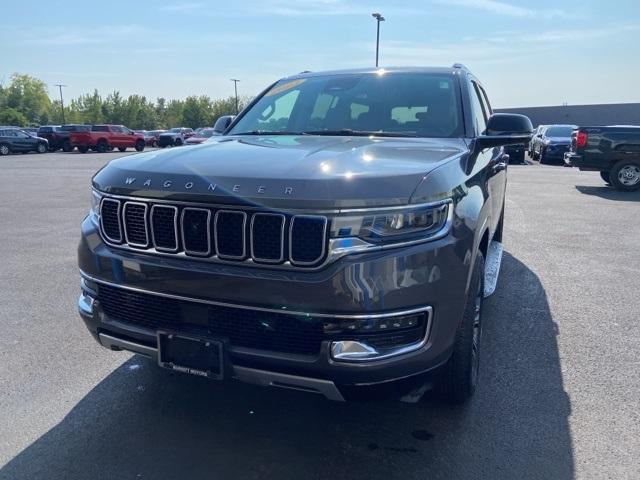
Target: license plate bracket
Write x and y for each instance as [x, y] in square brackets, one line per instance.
[199, 356]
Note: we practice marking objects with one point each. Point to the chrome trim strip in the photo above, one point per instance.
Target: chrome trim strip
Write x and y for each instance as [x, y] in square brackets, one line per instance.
[324, 240]
[244, 374]
[175, 229]
[110, 341]
[244, 235]
[104, 233]
[336, 211]
[184, 244]
[124, 223]
[284, 222]
[284, 311]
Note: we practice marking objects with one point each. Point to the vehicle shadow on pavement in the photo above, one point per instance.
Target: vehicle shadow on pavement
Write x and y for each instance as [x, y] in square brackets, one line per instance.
[609, 193]
[142, 422]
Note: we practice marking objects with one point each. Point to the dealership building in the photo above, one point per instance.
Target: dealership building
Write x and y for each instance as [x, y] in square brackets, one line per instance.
[583, 115]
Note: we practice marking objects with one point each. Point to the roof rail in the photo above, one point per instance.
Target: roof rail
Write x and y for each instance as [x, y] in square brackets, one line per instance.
[459, 65]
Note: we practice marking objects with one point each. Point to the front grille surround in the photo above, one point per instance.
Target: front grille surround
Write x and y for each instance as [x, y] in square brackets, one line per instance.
[157, 208]
[118, 222]
[224, 234]
[185, 241]
[253, 241]
[217, 234]
[128, 226]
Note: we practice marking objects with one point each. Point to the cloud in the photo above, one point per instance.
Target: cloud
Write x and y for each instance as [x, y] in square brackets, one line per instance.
[502, 8]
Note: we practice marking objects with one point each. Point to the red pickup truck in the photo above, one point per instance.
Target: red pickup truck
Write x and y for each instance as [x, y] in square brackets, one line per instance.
[103, 138]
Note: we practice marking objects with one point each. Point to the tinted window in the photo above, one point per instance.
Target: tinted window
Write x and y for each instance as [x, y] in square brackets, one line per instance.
[99, 128]
[10, 133]
[416, 104]
[479, 115]
[559, 131]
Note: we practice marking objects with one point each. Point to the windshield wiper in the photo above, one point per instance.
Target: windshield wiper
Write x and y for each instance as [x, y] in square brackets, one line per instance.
[358, 133]
[267, 132]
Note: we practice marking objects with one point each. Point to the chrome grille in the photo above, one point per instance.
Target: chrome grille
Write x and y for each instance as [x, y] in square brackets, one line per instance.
[110, 220]
[217, 234]
[135, 224]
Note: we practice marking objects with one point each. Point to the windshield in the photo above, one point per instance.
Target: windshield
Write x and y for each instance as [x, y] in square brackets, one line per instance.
[559, 131]
[175, 130]
[206, 132]
[394, 104]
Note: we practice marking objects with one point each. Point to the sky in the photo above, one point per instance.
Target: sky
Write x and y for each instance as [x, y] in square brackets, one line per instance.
[526, 53]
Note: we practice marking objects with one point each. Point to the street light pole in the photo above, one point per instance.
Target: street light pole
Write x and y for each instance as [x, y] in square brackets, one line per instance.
[379, 19]
[61, 100]
[235, 87]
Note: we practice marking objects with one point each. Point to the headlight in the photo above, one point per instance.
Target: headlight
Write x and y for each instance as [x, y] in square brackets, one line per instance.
[96, 197]
[393, 226]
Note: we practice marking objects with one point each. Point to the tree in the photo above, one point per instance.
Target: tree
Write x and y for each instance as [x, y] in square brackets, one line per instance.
[27, 95]
[11, 116]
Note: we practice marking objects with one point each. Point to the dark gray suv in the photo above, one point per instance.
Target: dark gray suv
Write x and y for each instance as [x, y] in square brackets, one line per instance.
[14, 140]
[339, 238]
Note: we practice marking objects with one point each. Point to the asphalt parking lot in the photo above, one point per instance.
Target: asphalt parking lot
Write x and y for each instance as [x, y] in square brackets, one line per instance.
[559, 380]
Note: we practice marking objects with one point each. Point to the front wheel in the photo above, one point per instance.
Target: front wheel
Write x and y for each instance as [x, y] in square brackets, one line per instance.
[102, 146]
[625, 175]
[4, 149]
[139, 145]
[42, 148]
[178, 142]
[460, 378]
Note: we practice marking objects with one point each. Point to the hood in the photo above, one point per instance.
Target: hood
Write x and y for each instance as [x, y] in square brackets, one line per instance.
[196, 139]
[280, 171]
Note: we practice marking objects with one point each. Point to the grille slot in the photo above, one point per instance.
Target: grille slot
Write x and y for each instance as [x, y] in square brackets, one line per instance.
[195, 231]
[135, 224]
[307, 239]
[110, 220]
[229, 234]
[164, 228]
[267, 237]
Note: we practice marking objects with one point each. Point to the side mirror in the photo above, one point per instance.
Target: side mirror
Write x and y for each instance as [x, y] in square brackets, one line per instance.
[505, 129]
[223, 123]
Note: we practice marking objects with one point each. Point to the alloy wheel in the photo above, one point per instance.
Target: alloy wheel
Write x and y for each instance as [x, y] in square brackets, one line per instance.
[629, 175]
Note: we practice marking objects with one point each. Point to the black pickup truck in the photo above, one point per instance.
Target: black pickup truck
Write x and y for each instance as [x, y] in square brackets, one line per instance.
[613, 151]
[338, 238]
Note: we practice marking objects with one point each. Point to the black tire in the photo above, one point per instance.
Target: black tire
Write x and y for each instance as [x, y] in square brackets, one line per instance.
[140, 145]
[66, 146]
[177, 142]
[154, 144]
[41, 148]
[625, 175]
[102, 146]
[122, 149]
[541, 156]
[460, 377]
[83, 149]
[5, 149]
[605, 176]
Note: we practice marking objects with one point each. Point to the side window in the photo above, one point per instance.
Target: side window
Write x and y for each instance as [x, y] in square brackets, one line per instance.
[479, 115]
[98, 128]
[117, 129]
[10, 133]
[485, 101]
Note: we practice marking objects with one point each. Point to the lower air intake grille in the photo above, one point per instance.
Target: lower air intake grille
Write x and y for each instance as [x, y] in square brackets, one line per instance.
[244, 328]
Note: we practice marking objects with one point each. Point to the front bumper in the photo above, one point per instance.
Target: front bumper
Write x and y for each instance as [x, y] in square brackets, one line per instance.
[430, 274]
